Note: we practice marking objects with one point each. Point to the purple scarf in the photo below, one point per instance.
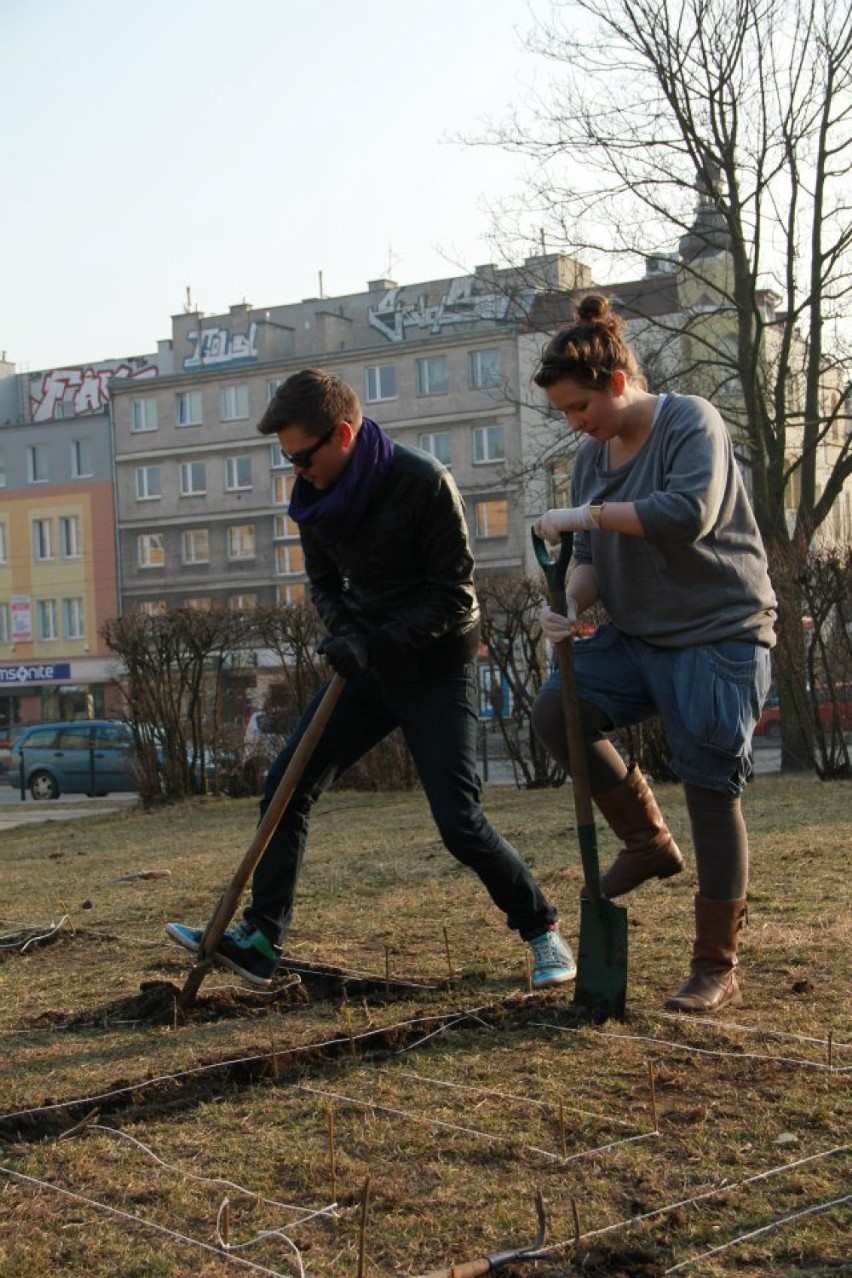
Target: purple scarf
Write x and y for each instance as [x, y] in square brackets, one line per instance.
[337, 511]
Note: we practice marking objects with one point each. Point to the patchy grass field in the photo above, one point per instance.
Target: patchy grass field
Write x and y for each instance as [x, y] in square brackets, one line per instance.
[428, 1094]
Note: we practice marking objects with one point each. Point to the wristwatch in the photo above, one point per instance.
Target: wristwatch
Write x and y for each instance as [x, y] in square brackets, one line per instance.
[596, 510]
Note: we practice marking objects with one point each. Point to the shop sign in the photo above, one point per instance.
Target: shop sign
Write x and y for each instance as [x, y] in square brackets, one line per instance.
[21, 612]
[36, 672]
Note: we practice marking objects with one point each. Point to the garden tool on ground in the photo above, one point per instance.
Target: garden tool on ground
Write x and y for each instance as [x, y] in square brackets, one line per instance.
[500, 1259]
[284, 791]
[601, 985]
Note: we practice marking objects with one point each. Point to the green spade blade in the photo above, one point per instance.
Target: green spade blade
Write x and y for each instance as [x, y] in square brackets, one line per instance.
[601, 985]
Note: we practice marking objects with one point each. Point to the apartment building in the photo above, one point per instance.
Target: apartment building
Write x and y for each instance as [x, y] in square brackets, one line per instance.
[202, 499]
[58, 570]
[682, 324]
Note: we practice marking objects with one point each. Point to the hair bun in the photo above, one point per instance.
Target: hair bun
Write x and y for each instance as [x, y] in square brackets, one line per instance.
[593, 309]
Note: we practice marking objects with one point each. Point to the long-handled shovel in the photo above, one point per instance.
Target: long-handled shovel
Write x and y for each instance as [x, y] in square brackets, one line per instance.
[601, 984]
[230, 898]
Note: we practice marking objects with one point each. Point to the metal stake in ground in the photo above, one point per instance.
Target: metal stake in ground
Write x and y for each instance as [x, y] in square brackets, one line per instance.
[285, 789]
[601, 984]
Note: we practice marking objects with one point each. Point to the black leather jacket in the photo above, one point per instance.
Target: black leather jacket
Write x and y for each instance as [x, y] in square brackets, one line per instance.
[405, 576]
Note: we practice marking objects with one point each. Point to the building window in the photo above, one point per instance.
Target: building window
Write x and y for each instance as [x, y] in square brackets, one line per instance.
[439, 444]
[728, 378]
[81, 458]
[150, 550]
[237, 473]
[189, 408]
[4, 545]
[271, 387]
[277, 460]
[153, 607]
[484, 368]
[432, 376]
[290, 593]
[241, 541]
[381, 382]
[489, 444]
[289, 558]
[70, 546]
[148, 483]
[4, 623]
[36, 464]
[282, 488]
[42, 539]
[234, 402]
[199, 603]
[195, 546]
[73, 619]
[560, 481]
[193, 479]
[2, 470]
[492, 517]
[46, 619]
[793, 488]
[283, 527]
[143, 415]
[242, 603]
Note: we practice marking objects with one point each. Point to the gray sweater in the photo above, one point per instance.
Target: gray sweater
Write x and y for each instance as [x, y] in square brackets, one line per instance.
[700, 574]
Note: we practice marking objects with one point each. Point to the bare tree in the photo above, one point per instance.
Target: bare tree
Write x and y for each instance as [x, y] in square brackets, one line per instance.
[292, 632]
[171, 680]
[512, 635]
[827, 590]
[752, 103]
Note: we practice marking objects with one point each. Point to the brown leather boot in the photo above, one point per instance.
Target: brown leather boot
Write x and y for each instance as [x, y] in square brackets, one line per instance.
[649, 851]
[712, 983]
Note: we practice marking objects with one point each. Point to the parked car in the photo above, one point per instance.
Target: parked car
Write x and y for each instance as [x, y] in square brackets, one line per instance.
[75, 756]
[8, 735]
[263, 737]
[769, 723]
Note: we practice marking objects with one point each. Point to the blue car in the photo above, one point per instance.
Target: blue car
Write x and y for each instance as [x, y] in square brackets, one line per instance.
[78, 756]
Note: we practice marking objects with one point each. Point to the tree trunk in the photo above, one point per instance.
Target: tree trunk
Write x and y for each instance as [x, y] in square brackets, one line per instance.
[797, 750]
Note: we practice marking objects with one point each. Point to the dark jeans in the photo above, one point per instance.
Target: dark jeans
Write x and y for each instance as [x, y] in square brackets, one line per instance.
[437, 716]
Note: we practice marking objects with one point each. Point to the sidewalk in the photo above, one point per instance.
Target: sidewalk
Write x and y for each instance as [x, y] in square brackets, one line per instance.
[498, 770]
[16, 812]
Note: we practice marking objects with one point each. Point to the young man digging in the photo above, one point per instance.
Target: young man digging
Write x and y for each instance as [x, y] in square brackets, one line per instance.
[391, 574]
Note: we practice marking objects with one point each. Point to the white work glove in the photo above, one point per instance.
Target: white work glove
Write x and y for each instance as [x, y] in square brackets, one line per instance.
[554, 626]
[553, 523]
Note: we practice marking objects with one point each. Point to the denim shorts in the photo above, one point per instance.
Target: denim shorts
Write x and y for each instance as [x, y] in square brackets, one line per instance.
[709, 698]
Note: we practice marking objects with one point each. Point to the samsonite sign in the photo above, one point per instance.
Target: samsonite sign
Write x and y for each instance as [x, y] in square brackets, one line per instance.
[35, 672]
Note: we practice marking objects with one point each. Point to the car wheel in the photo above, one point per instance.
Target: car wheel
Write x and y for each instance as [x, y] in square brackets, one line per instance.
[773, 730]
[43, 786]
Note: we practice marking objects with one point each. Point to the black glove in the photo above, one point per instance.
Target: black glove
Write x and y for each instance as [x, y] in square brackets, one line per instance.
[347, 654]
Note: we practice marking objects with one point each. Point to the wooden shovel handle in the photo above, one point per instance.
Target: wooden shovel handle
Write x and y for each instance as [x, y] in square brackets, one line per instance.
[230, 898]
[554, 572]
[470, 1269]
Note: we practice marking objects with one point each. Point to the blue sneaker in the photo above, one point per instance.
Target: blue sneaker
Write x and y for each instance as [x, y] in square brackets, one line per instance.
[188, 937]
[553, 962]
[244, 949]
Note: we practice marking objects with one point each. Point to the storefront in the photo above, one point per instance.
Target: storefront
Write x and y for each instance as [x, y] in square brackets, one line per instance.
[41, 691]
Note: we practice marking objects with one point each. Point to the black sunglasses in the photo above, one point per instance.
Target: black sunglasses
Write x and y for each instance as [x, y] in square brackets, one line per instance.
[302, 459]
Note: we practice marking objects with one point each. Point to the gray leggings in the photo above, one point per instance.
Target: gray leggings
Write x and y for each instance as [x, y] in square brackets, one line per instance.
[716, 820]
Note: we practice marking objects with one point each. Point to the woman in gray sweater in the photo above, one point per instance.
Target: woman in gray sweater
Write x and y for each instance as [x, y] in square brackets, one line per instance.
[666, 539]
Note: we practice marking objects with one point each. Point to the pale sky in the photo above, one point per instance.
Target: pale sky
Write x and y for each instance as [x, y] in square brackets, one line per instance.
[240, 148]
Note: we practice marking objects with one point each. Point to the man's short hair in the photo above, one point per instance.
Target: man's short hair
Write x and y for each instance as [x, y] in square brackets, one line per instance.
[313, 399]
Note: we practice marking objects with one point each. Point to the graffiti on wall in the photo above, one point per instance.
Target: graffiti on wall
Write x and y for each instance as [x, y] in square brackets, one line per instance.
[214, 346]
[78, 390]
[459, 305]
